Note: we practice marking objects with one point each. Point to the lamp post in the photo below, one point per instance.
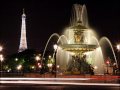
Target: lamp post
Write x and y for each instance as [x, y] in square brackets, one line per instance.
[107, 62]
[49, 66]
[37, 58]
[118, 54]
[38, 62]
[118, 49]
[1, 58]
[19, 67]
[54, 56]
[1, 48]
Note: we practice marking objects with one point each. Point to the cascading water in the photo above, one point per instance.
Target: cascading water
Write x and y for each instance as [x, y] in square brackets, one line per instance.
[62, 56]
[65, 40]
[95, 58]
[108, 41]
[54, 34]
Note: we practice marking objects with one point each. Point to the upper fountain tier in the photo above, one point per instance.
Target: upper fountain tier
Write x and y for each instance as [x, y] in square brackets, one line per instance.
[78, 26]
[78, 35]
[78, 39]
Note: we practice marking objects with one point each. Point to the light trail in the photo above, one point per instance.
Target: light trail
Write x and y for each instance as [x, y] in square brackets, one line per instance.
[53, 81]
[31, 79]
[58, 83]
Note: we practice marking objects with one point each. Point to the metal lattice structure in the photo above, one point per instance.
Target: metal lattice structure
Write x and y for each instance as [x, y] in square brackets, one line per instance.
[23, 39]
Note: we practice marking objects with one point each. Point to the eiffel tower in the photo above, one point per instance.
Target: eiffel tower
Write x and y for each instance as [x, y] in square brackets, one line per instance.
[23, 40]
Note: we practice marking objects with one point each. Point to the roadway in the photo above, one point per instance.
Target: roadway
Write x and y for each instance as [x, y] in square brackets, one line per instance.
[57, 84]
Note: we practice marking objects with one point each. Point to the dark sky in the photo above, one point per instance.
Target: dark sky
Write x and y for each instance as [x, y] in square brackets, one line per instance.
[45, 17]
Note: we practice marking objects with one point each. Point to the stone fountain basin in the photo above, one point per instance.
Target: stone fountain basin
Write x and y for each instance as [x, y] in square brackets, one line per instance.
[78, 47]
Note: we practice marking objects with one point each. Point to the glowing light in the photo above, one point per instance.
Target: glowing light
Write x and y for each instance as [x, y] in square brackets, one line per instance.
[1, 58]
[1, 48]
[37, 58]
[19, 67]
[95, 67]
[8, 70]
[58, 66]
[39, 66]
[107, 62]
[49, 64]
[49, 56]
[16, 59]
[118, 47]
[72, 53]
[33, 67]
[55, 47]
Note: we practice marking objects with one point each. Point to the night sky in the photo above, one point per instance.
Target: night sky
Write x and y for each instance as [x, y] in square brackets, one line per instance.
[44, 17]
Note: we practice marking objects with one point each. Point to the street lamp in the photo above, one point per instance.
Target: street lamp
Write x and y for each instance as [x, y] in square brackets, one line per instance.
[19, 67]
[118, 54]
[1, 58]
[107, 62]
[118, 47]
[1, 48]
[37, 58]
[49, 66]
[54, 56]
[16, 59]
[55, 47]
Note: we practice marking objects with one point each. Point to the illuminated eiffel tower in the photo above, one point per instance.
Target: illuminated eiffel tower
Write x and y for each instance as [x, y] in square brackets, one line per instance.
[23, 40]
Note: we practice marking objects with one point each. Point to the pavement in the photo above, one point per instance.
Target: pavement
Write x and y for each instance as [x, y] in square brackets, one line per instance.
[56, 87]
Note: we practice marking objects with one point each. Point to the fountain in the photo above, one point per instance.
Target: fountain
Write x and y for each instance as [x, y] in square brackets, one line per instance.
[80, 50]
[79, 41]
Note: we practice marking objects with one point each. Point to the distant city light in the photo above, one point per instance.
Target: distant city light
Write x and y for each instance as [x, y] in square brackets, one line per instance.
[37, 58]
[49, 56]
[118, 47]
[19, 67]
[1, 57]
[16, 59]
[33, 67]
[1, 48]
[39, 66]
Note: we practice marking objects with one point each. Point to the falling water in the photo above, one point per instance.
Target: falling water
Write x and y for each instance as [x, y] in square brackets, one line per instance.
[106, 39]
[60, 39]
[99, 61]
[62, 56]
[96, 57]
[54, 34]
[96, 40]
